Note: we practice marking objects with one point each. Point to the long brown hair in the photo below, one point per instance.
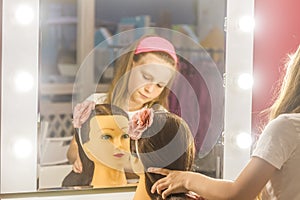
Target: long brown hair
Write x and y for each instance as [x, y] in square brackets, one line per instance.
[167, 143]
[288, 98]
[118, 91]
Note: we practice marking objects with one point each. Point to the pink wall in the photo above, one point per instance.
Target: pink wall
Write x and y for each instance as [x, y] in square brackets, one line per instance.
[277, 33]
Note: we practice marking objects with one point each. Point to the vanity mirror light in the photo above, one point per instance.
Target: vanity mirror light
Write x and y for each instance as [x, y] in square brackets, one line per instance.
[19, 105]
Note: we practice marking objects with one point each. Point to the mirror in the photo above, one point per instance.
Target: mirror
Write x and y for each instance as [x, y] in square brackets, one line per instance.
[55, 89]
[63, 67]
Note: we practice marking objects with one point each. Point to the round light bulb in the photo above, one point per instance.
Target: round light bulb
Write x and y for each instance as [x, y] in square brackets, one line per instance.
[24, 82]
[22, 148]
[246, 23]
[245, 81]
[243, 140]
[24, 14]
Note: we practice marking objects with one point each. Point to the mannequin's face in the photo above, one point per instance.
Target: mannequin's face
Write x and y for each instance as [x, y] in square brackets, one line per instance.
[108, 140]
[148, 79]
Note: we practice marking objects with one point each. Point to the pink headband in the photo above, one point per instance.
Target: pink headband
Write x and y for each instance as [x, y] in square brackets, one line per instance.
[150, 44]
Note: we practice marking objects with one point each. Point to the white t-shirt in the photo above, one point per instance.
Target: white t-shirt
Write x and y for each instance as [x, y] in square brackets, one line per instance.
[98, 98]
[279, 145]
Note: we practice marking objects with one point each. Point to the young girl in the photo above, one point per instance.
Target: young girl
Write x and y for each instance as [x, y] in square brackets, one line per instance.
[160, 139]
[274, 165]
[105, 151]
[143, 75]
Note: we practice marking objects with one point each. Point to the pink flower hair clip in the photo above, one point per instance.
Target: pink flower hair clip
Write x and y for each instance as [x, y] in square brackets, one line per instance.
[140, 121]
[82, 112]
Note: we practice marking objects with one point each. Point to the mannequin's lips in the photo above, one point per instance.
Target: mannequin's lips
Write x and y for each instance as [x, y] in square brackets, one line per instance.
[119, 155]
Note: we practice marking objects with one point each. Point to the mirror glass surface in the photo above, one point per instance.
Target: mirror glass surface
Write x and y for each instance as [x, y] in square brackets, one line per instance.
[68, 77]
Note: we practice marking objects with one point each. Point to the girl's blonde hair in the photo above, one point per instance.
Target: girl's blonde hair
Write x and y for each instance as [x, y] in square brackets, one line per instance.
[288, 99]
[118, 91]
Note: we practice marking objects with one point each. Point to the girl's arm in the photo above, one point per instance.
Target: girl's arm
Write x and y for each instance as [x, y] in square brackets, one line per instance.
[247, 186]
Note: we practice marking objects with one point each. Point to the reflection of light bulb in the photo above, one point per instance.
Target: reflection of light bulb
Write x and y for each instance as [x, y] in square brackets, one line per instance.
[243, 140]
[22, 148]
[246, 24]
[24, 81]
[24, 14]
[245, 81]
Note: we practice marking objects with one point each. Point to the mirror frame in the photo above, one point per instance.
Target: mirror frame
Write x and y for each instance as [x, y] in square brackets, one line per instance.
[238, 102]
[20, 45]
[20, 54]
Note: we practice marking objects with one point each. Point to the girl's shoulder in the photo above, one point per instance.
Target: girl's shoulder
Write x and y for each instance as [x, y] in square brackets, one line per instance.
[289, 120]
[289, 116]
[158, 107]
[155, 107]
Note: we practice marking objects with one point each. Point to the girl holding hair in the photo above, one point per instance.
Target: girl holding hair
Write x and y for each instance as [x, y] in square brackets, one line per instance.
[143, 75]
[273, 168]
[161, 139]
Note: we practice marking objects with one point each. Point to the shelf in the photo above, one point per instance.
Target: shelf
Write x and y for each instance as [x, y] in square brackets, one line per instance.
[56, 88]
[65, 88]
[62, 20]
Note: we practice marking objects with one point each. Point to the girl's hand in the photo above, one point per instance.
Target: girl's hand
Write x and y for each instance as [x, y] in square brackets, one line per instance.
[174, 182]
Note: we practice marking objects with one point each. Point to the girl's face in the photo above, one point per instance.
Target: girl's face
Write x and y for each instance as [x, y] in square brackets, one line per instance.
[147, 80]
[108, 140]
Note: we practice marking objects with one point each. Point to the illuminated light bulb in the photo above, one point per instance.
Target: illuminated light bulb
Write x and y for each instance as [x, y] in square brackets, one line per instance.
[245, 81]
[243, 140]
[24, 81]
[24, 14]
[22, 148]
[246, 24]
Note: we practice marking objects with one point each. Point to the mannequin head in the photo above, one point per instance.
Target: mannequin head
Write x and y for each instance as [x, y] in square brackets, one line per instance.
[103, 145]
